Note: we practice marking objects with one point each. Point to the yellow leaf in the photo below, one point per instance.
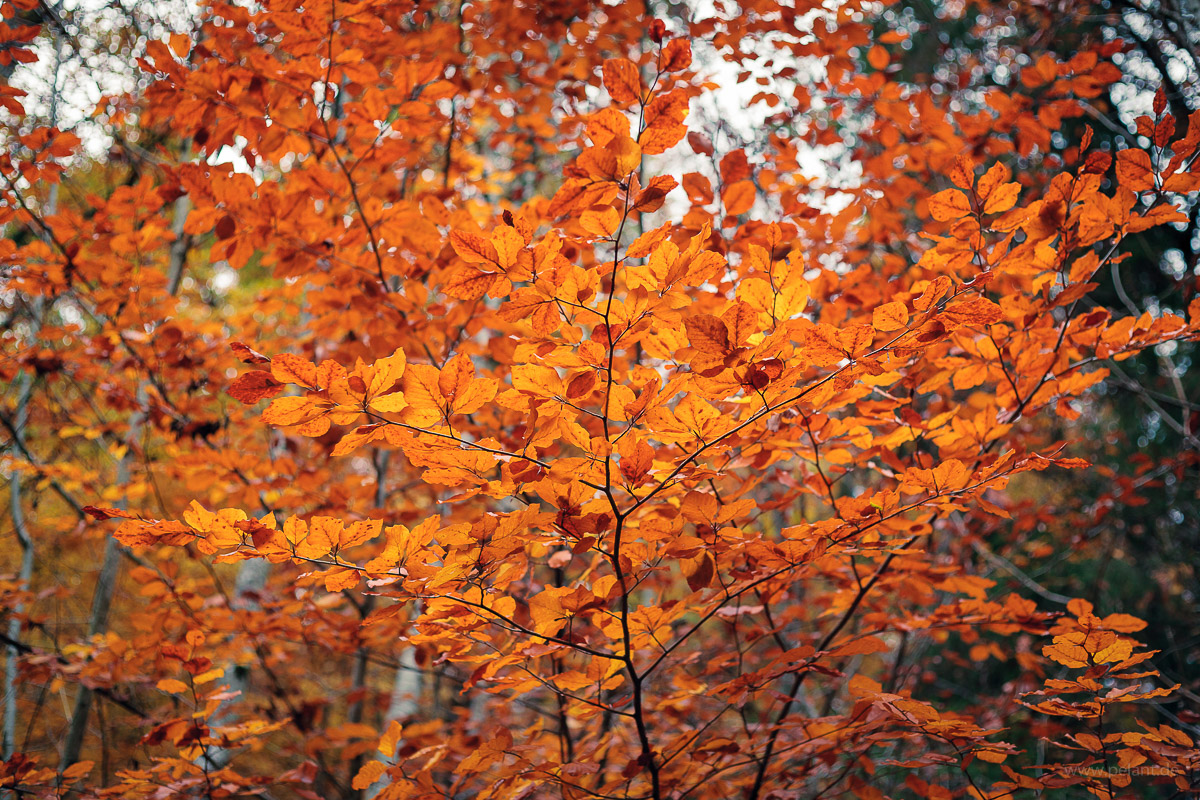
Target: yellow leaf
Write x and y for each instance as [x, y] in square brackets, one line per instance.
[421, 387]
[390, 738]
[209, 676]
[386, 372]
[390, 403]
[77, 771]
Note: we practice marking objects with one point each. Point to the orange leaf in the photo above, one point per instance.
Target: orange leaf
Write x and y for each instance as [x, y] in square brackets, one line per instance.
[676, 55]
[285, 411]
[949, 204]
[976, 311]
[600, 221]
[622, 80]
[473, 248]
[878, 57]
[997, 174]
[651, 198]
[741, 320]
[738, 197]
[339, 580]
[1134, 170]
[1066, 652]
[707, 334]
[507, 243]
[288, 368]
[890, 317]
[477, 394]
[699, 571]
[469, 283]
[456, 376]
[77, 771]
[607, 123]
[1002, 199]
[368, 773]
[547, 612]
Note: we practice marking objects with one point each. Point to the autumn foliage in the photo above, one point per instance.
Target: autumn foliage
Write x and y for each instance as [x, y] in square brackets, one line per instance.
[466, 410]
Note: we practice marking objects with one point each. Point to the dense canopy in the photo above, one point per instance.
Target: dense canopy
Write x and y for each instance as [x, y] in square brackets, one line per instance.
[574, 399]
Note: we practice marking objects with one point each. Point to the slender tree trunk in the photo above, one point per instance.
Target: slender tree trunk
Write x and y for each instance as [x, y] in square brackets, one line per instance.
[101, 601]
[106, 586]
[406, 696]
[406, 689]
[25, 541]
[183, 241]
[14, 624]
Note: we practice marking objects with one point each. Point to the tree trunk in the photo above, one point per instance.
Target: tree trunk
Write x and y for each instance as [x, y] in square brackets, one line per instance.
[106, 585]
[24, 388]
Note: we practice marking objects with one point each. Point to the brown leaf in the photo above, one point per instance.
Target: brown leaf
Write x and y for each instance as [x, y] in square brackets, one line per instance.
[247, 355]
[676, 55]
[253, 386]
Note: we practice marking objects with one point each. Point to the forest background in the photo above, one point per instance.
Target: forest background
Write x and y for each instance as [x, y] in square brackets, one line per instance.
[573, 399]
